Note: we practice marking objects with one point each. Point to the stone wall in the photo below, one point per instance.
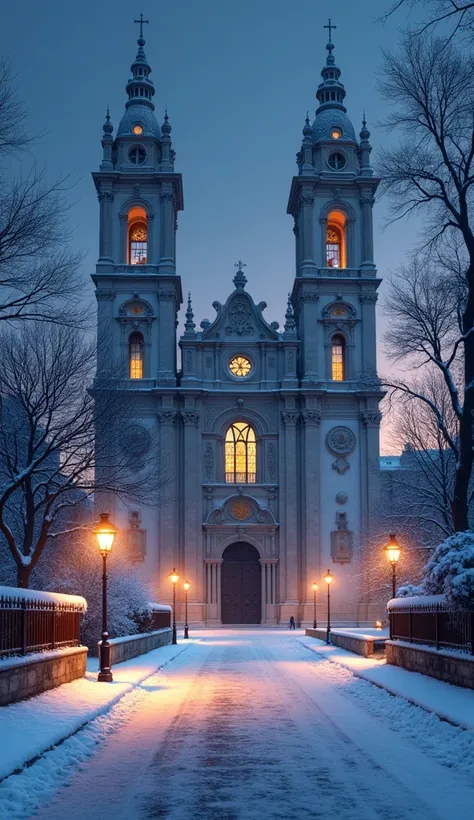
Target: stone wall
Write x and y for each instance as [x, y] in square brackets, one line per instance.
[365, 645]
[131, 646]
[23, 677]
[452, 667]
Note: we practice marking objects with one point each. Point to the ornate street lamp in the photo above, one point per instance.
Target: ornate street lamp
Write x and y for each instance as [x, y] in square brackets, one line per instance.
[315, 589]
[186, 586]
[174, 578]
[105, 533]
[392, 551]
[328, 579]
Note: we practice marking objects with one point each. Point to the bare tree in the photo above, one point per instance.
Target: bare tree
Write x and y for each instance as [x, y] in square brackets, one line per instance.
[458, 13]
[430, 86]
[40, 276]
[50, 460]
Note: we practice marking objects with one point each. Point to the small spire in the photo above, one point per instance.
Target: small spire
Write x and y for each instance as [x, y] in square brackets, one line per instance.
[166, 127]
[290, 326]
[189, 326]
[240, 279]
[108, 127]
[364, 133]
[331, 91]
[140, 88]
[307, 130]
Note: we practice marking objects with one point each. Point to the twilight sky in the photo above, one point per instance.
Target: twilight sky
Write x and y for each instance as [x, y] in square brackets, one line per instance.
[238, 78]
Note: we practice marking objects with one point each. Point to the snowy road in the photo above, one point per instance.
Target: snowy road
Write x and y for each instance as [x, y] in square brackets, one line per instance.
[253, 724]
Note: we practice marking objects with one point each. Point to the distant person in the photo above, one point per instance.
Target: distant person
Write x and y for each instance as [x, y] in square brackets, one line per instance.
[292, 623]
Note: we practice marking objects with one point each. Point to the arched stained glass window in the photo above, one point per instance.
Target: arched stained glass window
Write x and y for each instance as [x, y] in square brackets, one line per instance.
[333, 247]
[337, 358]
[240, 454]
[136, 356]
[138, 243]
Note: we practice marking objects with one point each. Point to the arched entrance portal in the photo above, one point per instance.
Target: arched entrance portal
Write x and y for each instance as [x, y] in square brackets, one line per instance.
[241, 585]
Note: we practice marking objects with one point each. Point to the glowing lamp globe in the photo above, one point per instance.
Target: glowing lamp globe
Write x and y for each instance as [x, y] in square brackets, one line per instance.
[105, 533]
[186, 585]
[393, 549]
[315, 586]
[328, 577]
[174, 577]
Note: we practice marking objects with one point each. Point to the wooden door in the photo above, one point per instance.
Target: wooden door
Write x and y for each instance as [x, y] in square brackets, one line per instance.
[241, 591]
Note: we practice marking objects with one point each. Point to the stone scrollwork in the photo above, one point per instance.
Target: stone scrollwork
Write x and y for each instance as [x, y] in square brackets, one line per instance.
[167, 295]
[104, 295]
[190, 417]
[209, 460]
[371, 418]
[289, 417]
[311, 417]
[166, 416]
[239, 317]
[271, 461]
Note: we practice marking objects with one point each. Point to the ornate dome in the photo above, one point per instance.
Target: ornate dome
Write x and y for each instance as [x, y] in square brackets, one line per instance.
[330, 118]
[142, 115]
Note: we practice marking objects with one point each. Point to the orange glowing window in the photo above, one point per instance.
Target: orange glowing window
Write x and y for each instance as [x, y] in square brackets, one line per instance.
[240, 454]
[337, 358]
[136, 356]
[336, 240]
[137, 237]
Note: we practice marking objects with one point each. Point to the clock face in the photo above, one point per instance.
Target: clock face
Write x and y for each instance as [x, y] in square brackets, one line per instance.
[240, 366]
[337, 161]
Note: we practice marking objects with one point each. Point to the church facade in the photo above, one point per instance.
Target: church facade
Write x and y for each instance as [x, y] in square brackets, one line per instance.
[269, 435]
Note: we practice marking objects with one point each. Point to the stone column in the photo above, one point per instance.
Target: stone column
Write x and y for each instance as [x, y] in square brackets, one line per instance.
[167, 336]
[213, 587]
[168, 219]
[269, 592]
[290, 592]
[306, 206]
[368, 360]
[167, 533]
[192, 504]
[308, 308]
[311, 558]
[105, 330]
[367, 201]
[106, 199]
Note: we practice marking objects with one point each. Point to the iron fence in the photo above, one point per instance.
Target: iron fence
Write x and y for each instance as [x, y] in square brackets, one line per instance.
[435, 624]
[34, 626]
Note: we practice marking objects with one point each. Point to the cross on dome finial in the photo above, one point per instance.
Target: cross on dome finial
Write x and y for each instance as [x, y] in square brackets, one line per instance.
[330, 27]
[141, 21]
[240, 279]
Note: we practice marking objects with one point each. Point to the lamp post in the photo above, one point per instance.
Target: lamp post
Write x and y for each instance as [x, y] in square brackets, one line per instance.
[315, 589]
[174, 578]
[105, 533]
[328, 579]
[392, 551]
[186, 586]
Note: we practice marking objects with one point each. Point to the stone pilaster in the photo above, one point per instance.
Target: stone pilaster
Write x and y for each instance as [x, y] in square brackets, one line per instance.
[168, 546]
[311, 557]
[289, 584]
[192, 504]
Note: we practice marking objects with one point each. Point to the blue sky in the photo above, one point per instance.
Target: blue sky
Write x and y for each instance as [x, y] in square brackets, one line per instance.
[237, 79]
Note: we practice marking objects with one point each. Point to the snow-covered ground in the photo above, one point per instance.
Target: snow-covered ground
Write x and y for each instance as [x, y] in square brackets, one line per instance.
[253, 724]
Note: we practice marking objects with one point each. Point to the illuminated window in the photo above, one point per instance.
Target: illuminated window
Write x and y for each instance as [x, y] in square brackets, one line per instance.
[138, 243]
[336, 240]
[337, 358]
[336, 134]
[240, 366]
[135, 355]
[137, 129]
[240, 454]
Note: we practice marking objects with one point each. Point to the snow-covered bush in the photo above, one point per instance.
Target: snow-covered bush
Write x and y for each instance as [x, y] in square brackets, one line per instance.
[408, 590]
[451, 570]
[74, 566]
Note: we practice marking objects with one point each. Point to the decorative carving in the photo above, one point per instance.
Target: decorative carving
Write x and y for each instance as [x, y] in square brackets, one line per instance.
[309, 296]
[104, 295]
[166, 416]
[341, 546]
[135, 308]
[371, 418]
[166, 197]
[136, 544]
[311, 417]
[337, 195]
[271, 461]
[341, 441]
[167, 295]
[135, 440]
[208, 359]
[239, 317]
[367, 199]
[369, 298]
[189, 361]
[291, 360]
[209, 460]
[241, 510]
[136, 190]
[339, 310]
[307, 200]
[341, 498]
[271, 361]
[190, 417]
[341, 465]
[289, 417]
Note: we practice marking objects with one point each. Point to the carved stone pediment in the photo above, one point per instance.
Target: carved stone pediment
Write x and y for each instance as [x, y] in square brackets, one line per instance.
[339, 311]
[240, 510]
[240, 318]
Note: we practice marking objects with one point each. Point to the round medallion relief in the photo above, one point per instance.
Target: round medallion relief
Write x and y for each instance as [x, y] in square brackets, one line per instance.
[136, 440]
[341, 498]
[341, 441]
[241, 510]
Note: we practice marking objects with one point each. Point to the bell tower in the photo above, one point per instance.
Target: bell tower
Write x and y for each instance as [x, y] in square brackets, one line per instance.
[334, 296]
[139, 194]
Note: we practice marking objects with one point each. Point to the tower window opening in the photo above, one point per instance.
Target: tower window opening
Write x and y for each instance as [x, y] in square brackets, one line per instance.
[137, 251]
[333, 95]
[137, 155]
[136, 356]
[336, 240]
[337, 358]
[240, 454]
